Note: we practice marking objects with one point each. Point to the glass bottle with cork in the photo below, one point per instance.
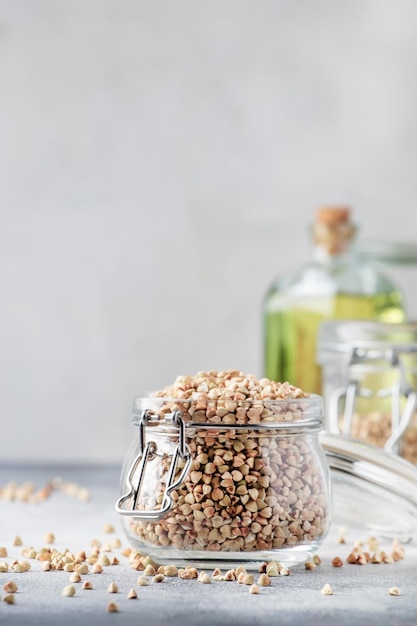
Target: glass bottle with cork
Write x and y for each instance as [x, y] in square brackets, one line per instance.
[337, 284]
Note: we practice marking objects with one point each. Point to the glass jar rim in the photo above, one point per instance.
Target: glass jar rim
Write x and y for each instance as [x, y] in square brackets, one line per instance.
[310, 411]
[337, 337]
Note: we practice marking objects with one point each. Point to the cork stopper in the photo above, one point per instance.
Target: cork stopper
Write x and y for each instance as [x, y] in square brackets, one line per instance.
[333, 214]
[333, 229]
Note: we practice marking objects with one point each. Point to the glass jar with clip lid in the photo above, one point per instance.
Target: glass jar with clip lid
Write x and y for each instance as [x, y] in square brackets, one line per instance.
[222, 477]
[370, 382]
[370, 438]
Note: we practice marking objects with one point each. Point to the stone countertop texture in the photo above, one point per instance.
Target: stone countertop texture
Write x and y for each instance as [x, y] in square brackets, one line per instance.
[360, 592]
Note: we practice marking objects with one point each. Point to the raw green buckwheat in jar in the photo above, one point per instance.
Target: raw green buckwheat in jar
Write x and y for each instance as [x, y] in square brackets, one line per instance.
[226, 468]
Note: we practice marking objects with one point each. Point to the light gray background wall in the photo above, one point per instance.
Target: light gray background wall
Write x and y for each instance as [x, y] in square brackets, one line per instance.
[160, 163]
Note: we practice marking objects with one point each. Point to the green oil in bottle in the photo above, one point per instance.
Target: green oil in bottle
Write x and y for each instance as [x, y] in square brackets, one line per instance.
[291, 327]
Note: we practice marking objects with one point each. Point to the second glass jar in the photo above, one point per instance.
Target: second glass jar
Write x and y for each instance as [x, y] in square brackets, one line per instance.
[370, 382]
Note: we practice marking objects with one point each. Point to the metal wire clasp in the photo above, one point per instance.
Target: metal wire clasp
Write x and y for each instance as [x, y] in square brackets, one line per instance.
[127, 504]
[353, 390]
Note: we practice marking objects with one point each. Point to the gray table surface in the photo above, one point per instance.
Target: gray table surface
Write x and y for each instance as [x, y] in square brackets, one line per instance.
[360, 593]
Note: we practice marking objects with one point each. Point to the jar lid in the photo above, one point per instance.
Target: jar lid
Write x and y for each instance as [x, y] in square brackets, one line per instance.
[372, 489]
[339, 336]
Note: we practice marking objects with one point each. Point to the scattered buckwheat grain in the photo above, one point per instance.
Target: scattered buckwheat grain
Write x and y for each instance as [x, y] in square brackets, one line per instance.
[18, 568]
[327, 590]
[394, 591]
[75, 577]
[82, 568]
[284, 571]
[245, 579]
[264, 580]
[9, 598]
[68, 590]
[170, 570]
[204, 578]
[158, 578]
[108, 528]
[272, 568]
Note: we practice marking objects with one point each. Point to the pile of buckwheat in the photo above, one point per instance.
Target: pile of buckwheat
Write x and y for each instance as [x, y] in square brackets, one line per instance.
[248, 489]
[232, 397]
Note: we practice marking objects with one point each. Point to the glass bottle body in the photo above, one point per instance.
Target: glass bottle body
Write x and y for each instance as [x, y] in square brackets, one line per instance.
[332, 287]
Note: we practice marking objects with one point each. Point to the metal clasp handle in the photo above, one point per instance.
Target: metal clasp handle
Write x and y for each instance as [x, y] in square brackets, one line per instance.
[410, 408]
[136, 473]
[353, 390]
[400, 423]
[350, 393]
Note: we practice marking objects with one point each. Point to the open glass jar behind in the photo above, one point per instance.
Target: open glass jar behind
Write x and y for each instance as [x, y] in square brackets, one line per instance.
[206, 484]
[370, 382]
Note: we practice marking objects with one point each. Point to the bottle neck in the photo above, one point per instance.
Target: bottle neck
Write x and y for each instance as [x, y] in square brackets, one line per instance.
[322, 256]
[333, 241]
